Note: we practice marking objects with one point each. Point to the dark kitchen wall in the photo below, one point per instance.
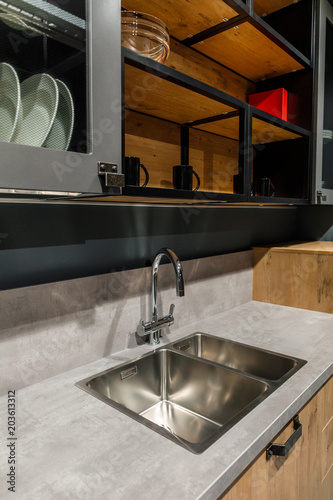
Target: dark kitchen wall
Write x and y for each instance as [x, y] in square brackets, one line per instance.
[43, 242]
[314, 223]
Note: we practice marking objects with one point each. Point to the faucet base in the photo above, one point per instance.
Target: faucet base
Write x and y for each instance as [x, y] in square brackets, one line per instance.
[154, 337]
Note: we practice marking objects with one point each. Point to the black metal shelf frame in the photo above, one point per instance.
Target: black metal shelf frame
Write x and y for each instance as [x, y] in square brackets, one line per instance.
[266, 117]
[262, 115]
[174, 76]
[244, 110]
[246, 14]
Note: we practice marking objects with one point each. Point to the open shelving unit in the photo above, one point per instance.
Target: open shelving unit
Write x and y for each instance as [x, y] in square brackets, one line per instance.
[193, 109]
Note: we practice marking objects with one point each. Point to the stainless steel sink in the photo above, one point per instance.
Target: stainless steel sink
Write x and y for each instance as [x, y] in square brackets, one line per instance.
[194, 390]
[190, 401]
[252, 360]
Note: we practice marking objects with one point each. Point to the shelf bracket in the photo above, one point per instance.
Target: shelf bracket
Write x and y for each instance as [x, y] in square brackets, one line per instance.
[320, 197]
[109, 172]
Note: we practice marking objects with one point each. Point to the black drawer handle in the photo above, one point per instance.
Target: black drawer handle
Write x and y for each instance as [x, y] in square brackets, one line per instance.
[282, 449]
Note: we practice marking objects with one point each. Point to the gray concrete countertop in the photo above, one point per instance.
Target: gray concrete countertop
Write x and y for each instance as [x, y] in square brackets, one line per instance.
[72, 446]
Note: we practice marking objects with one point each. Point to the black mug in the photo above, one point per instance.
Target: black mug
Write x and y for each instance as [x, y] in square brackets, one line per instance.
[183, 176]
[132, 171]
[238, 184]
[264, 187]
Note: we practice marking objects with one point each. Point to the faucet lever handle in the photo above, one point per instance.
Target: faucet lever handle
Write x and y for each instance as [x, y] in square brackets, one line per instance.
[172, 308]
[140, 328]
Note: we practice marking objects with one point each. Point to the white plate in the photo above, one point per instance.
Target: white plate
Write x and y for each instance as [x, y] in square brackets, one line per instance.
[62, 128]
[39, 102]
[327, 136]
[10, 98]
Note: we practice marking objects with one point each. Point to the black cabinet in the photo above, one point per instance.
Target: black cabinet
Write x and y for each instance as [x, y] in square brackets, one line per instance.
[323, 185]
[60, 76]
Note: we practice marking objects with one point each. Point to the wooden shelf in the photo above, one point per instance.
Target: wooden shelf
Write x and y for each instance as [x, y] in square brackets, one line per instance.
[184, 17]
[228, 127]
[265, 132]
[157, 97]
[262, 131]
[265, 7]
[203, 199]
[249, 52]
[161, 201]
[215, 159]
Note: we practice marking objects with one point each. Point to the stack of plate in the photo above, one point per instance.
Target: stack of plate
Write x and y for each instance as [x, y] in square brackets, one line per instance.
[327, 136]
[37, 112]
[61, 130]
[10, 98]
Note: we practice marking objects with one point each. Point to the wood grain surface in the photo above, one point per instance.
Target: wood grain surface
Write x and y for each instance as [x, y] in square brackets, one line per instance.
[265, 7]
[158, 97]
[157, 144]
[248, 52]
[296, 275]
[196, 65]
[184, 17]
[301, 474]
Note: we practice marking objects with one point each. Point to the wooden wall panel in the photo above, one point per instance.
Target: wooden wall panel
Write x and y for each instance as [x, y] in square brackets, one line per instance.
[157, 144]
[215, 159]
[198, 66]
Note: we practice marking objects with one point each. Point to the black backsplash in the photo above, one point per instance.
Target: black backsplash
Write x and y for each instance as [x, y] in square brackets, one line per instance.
[42, 242]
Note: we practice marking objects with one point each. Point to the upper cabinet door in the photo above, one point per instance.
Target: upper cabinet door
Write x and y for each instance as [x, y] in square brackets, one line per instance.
[323, 188]
[60, 94]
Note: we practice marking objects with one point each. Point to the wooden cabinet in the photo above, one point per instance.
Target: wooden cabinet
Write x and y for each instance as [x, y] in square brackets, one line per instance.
[326, 440]
[295, 275]
[193, 109]
[306, 473]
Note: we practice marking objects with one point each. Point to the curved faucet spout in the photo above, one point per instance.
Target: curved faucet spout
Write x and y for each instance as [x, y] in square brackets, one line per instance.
[153, 328]
[179, 276]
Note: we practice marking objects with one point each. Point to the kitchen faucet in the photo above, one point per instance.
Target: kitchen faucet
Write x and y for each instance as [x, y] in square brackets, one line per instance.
[153, 328]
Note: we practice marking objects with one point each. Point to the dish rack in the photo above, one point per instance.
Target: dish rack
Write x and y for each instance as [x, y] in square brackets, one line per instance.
[47, 19]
